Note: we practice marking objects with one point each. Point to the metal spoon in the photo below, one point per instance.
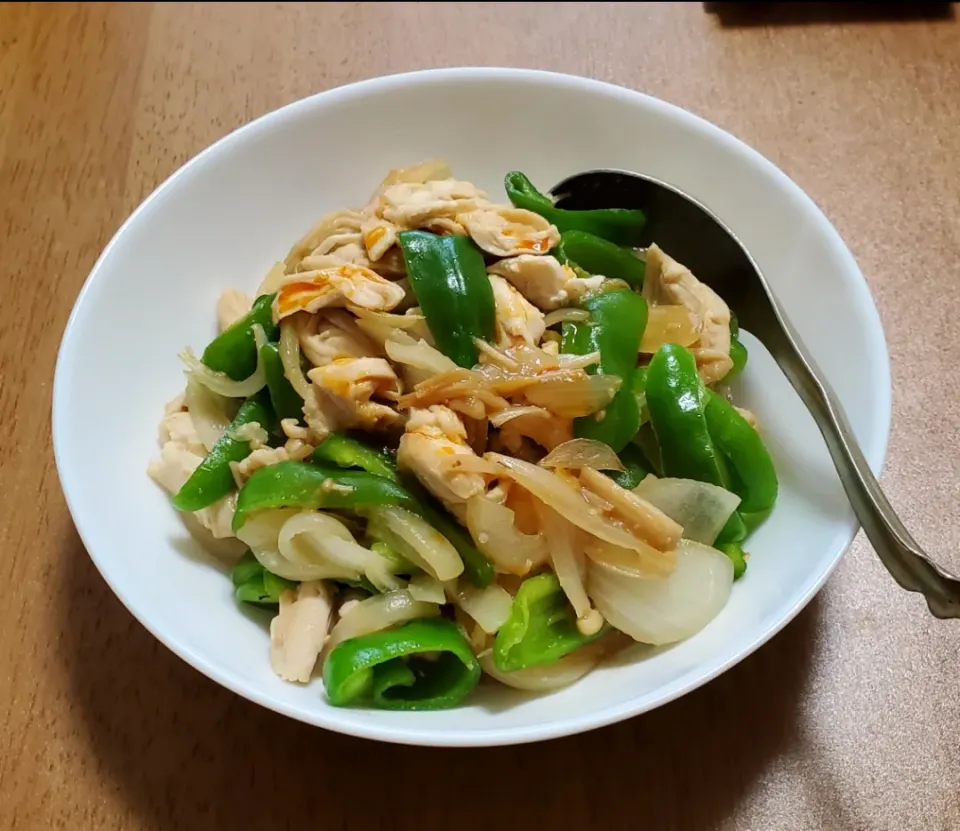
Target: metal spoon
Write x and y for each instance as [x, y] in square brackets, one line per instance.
[692, 235]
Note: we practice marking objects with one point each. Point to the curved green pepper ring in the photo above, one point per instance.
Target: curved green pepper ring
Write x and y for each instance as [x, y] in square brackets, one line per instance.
[541, 629]
[386, 669]
[234, 350]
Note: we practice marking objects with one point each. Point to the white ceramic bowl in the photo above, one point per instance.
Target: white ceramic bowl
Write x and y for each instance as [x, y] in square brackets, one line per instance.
[227, 215]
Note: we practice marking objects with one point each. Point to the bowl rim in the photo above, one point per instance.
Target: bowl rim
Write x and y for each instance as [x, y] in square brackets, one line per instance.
[581, 722]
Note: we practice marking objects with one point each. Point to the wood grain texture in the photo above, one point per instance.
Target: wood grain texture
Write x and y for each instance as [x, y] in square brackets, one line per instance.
[848, 720]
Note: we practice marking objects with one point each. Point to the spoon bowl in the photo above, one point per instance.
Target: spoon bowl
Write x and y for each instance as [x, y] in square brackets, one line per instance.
[691, 234]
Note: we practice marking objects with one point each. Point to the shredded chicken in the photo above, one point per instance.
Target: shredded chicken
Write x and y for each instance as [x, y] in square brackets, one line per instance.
[231, 306]
[544, 281]
[330, 335]
[433, 440]
[749, 416]
[517, 318]
[669, 282]
[181, 453]
[333, 224]
[310, 291]
[298, 632]
[344, 390]
[505, 231]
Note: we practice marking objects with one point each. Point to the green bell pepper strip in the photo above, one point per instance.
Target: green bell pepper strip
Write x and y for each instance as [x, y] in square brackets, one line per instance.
[637, 468]
[287, 403]
[449, 277]
[343, 451]
[254, 584]
[596, 255]
[213, 478]
[617, 321]
[304, 485]
[676, 399]
[755, 478]
[541, 629]
[384, 668]
[234, 351]
[735, 552]
[618, 225]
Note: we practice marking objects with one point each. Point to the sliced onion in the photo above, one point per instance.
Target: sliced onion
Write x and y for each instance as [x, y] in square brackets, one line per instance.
[489, 607]
[403, 349]
[210, 413]
[560, 673]
[562, 539]
[571, 313]
[668, 324]
[666, 610]
[377, 613]
[432, 551]
[580, 453]
[564, 498]
[570, 361]
[493, 528]
[573, 397]
[502, 417]
[220, 382]
[290, 357]
[425, 588]
[381, 326]
[645, 520]
[701, 508]
[648, 562]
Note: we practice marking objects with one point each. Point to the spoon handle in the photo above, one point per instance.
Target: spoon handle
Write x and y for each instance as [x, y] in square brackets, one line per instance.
[897, 550]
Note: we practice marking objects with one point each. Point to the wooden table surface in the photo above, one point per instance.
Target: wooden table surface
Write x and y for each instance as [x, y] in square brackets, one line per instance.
[849, 719]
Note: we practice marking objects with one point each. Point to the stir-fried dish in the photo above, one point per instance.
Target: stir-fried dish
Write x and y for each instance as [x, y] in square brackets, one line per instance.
[453, 437]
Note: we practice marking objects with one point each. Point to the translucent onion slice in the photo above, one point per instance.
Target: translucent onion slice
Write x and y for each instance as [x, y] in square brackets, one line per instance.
[701, 508]
[494, 530]
[403, 349]
[564, 498]
[220, 382]
[377, 613]
[381, 326]
[661, 611]
[563, 540]
[570, 313]
[573, 397]
[668, 324]
[489, 606]
[210, 413]
[425, 588]
[580, 453]
[290, 357]
[548, 677]
[648, 562]
[435, 553]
